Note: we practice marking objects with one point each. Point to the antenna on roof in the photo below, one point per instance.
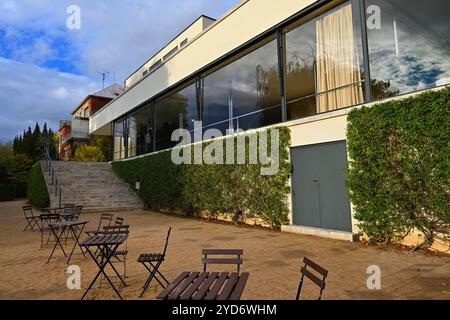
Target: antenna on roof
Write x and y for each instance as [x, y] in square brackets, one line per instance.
[103, 73]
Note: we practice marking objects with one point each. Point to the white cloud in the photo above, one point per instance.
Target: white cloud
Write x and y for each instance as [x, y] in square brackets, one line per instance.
[115, 35]
[32, 94]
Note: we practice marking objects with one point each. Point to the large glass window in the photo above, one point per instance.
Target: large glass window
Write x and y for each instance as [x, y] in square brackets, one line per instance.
[119, 140]
[144, 121]
[244, 94]
[178, 110]
[323, 64]
[410, 50]
[131, 137]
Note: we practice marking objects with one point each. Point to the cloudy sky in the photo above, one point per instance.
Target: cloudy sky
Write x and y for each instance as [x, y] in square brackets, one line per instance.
[46, 69]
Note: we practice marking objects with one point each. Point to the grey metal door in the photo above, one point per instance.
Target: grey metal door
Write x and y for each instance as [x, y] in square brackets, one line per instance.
[319, 193]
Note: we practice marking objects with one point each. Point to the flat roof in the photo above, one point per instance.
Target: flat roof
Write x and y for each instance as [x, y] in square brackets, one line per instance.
[165, 46]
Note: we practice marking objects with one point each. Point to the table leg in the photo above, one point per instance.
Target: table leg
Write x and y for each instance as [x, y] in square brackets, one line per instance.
[57, 242]
[76, 237]
[101, 265]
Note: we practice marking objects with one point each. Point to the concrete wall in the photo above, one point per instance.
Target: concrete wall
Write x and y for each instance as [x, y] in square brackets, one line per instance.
[247, 20]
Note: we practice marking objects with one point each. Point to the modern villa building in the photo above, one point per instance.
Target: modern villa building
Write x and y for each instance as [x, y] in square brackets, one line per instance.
[302, 64]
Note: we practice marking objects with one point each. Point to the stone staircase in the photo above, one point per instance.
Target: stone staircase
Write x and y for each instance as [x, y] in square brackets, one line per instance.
[93, 185]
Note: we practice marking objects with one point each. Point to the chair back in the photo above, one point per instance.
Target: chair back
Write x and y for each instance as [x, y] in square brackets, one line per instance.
[167, 241]
[122, 229]
[77, 212]
[119, 221]
[105, 220]
[318, 276]
[27, 211]
[224, 257]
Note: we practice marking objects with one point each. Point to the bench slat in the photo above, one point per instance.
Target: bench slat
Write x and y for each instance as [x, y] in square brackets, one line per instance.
[212, 294]
[195, 285]
[173, 285]
[229, 286]
[239, 288]
[203, 289]
[175, 294]
[223, 251]
[222, 261]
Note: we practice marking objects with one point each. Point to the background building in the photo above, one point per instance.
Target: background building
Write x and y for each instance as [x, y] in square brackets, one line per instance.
[75, 132]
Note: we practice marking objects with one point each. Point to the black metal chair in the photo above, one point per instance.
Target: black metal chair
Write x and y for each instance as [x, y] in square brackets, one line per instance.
[152, 262]
[45, 220]
[105, 220]
[223, 257]
[119, 221]
[32, 220]
[119, 255]
[319, 279]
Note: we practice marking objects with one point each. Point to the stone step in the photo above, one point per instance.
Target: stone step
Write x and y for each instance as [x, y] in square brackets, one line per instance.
[92, 185]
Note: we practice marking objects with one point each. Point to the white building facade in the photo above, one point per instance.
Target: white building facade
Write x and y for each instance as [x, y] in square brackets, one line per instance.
[302, 64]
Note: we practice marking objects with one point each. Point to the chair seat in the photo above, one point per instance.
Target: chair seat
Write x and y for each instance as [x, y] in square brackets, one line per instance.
[150, 257]
[120, 252]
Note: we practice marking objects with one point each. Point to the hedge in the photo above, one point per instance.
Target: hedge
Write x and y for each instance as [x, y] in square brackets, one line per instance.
[399, 173]
[237, 190]
[37, 189]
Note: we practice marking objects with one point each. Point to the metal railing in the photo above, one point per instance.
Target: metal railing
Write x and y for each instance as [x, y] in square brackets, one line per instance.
[50, 170]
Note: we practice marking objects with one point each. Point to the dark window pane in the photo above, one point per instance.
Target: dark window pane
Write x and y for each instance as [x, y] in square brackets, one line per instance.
[144, 130]
[245, 86]
[411, 50]
[175, 111]
[301, 108]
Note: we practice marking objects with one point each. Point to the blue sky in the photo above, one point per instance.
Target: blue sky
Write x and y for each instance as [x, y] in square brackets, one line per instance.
[47, 69]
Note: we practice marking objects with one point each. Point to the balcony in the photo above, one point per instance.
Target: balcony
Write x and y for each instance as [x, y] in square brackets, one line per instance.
[77, 129]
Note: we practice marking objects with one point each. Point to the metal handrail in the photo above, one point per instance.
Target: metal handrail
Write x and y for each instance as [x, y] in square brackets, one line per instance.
[51, 173]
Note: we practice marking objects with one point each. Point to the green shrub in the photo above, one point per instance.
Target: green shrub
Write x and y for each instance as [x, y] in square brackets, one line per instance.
[37, 189]
[237, 190]
[7, 192]
[399, 173]
[89, 154]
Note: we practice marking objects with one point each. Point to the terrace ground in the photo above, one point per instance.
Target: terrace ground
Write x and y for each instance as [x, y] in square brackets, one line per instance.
[272, 258]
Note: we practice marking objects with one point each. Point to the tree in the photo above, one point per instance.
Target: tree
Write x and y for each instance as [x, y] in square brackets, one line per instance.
[20, 167]
[6, 160]
[104, 144]
[89, 154]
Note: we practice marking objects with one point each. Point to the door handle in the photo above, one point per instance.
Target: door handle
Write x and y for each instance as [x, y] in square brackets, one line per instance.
[316, 180]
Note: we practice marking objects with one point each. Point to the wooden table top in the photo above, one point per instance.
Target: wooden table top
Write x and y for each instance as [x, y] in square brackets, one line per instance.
[206, 286]
[104, 239]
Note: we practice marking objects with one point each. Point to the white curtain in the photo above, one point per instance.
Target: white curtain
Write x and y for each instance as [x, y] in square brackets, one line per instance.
[337, 61]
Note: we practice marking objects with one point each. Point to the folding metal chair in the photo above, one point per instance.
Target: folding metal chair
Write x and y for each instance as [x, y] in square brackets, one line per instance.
[152, 262]
[318, 280]
[105, 220]
[45, 220]
[32, 220]
[119, 221]
[118, 255]
[238, 260]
